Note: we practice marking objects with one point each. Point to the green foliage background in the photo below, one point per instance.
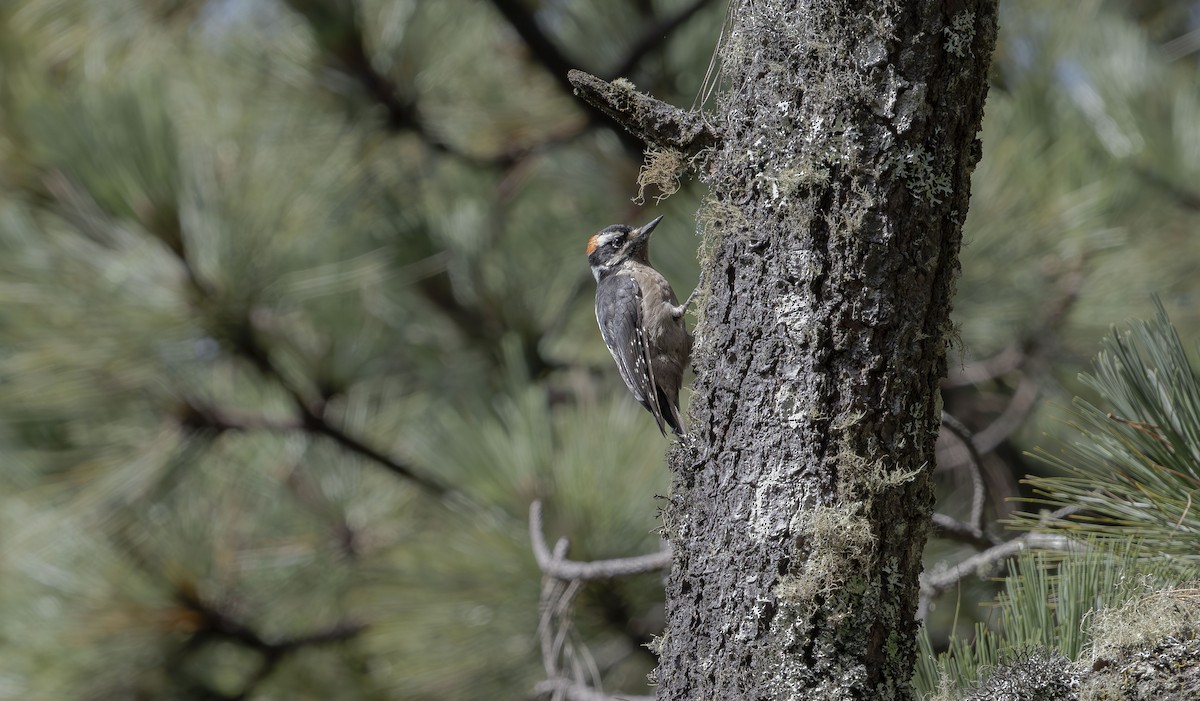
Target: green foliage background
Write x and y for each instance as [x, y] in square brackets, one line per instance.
[1121, 593]
[262, 262]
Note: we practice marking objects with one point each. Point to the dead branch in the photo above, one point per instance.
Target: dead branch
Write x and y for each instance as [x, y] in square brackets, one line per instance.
[653, 121]
[1019, 407]
[979, 496]
[556, 632]
[566, 689]
[597, 569]
[951, 528]
[938, 582]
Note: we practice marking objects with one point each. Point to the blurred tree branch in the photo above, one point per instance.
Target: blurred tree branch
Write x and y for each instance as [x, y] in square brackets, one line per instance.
[654, 37]
[1186, 198]
[212, 623]
[550, 57]
[339, 33]
[979, 498]
[312, 414]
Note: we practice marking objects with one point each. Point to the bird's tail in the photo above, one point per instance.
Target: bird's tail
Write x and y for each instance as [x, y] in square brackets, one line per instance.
[670, 413]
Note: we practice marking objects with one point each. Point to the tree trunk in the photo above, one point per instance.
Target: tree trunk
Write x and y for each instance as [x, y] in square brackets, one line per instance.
[801, 501]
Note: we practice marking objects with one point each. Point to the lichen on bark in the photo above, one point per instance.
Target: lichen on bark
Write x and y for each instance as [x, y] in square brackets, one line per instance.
[839, 162]
[839, 186]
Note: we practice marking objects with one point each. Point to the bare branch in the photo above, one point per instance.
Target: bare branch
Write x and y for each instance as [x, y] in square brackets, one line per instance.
[999, 365]
[936, 583]
[1017, 355]
[979, 495]
[598, 569]
[951, 528]
[1013, 416]
[651, 120]
[555, 631]
[567, 689]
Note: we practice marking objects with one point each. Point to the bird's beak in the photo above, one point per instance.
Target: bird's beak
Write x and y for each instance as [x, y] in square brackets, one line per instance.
[643, 233]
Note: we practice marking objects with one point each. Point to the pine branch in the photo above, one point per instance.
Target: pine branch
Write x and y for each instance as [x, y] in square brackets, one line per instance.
[934, 584]
[314, 420]
[544, 50]
[550, 57]
[214, 623]
[1185, 197]
[654, 37]
[341, 37]
[244, 342]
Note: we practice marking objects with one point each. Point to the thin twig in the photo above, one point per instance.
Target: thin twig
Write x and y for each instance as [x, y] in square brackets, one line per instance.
[1186, 509]
[951, 528]
[555, 630]
[552, 589]
[597, 569]
[979, 485]
[1146, 428]
[1019, 407]
[936, 583]
[567, 689]
[999, 365]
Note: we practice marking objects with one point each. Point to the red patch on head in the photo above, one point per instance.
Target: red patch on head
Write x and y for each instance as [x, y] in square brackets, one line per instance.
[593, 244]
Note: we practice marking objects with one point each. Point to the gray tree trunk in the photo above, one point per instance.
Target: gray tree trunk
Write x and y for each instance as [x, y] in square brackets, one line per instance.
[847, 136]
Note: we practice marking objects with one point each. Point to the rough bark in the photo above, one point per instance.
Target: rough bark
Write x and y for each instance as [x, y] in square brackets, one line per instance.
[801, 502]
[651, 120]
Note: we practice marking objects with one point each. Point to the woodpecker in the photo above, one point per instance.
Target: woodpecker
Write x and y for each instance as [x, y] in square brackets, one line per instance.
[641, 320]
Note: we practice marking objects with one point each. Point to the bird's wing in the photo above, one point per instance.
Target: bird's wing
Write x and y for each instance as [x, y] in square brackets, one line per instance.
[621, 325]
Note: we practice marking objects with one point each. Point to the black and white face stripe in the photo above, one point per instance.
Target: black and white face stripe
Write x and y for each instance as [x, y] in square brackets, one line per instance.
[607, 248]
[615, 244]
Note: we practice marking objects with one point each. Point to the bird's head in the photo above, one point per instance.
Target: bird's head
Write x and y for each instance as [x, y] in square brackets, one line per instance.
[613, 245]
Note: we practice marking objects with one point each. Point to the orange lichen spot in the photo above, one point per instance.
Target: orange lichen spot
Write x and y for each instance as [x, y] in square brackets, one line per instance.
[593, 244]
